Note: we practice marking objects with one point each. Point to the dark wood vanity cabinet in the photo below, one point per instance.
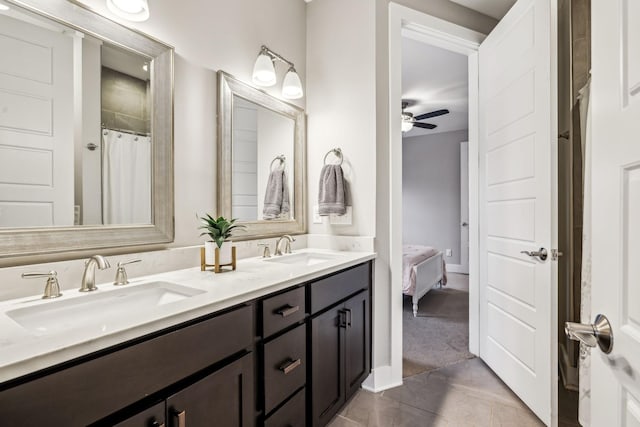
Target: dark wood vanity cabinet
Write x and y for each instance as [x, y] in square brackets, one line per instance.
[340, 341]
[122, 382]
[289, 359]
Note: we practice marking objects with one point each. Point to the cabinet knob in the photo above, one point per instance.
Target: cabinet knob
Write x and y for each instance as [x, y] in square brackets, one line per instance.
[157, 424]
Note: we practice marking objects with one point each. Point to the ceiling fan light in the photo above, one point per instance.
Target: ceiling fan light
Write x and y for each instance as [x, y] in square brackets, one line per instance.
[264, 73]
[406, 125]
[291, 85]
[131, 10]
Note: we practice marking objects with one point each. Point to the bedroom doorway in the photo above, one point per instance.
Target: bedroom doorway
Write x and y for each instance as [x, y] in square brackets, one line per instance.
[435, 101]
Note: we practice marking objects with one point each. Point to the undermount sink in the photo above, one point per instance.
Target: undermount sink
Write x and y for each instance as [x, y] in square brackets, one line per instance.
[303, 258]
[100, 309]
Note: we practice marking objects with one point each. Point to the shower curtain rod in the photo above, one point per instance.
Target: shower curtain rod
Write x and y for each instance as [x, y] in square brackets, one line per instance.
[127, 131]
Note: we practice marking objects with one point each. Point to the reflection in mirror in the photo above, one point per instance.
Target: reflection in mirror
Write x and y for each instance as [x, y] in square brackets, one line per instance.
[263, 142]
[68, 185]
[261, 160]
[75, 143]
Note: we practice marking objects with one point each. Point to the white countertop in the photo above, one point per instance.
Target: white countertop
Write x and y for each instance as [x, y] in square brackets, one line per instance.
[23, 351]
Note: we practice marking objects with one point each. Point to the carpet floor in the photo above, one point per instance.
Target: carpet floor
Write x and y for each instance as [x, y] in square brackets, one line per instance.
[439, 336]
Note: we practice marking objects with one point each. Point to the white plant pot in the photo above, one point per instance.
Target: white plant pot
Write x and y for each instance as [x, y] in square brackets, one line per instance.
[225, 252]
[210, 252]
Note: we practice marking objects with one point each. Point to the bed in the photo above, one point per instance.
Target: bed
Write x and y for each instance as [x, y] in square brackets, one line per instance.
[423, 268]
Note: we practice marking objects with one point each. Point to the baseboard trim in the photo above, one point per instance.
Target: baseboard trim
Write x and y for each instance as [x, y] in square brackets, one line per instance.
[381, 379]
[456, 268]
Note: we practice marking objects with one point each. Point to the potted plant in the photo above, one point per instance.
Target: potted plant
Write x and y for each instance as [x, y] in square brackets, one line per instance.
[219, 230]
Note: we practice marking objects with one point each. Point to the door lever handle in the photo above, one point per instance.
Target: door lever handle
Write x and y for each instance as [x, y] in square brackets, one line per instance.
[598, 333]
[541, 254]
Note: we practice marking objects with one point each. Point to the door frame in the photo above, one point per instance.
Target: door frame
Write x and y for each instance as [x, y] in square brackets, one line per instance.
[464, 172]
[407, 22]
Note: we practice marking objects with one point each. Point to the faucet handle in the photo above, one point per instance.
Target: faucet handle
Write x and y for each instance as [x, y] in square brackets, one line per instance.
[52, 288]
[121, 273]
[266, 252]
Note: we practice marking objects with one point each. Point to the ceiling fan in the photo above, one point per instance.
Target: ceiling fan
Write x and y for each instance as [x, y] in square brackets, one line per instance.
[409, 121]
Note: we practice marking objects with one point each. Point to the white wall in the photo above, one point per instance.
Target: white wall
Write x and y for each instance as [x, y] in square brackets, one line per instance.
[431, 191]
[341, 104]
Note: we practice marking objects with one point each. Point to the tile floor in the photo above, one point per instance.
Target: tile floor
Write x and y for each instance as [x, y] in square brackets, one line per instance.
[464, 394]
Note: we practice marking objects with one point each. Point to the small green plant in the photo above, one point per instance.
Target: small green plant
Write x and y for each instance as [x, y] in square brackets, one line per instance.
[219, 229]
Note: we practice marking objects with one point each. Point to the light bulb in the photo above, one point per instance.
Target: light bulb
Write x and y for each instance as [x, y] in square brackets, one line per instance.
[291, 86]
[4, 7]
[264, 74]
[406, 126]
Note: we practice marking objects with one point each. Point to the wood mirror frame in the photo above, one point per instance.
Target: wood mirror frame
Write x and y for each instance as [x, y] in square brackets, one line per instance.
[31, 245]
[228, 87]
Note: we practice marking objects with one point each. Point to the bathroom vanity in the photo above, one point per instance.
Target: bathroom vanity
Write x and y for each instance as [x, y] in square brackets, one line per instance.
[274, 353]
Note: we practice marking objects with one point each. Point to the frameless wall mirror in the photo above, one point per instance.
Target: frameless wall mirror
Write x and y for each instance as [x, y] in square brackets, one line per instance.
[261, 160]
[86, 132]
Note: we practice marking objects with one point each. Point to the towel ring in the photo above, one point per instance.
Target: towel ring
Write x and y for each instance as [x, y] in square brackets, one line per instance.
[338, 153]
[282, 159]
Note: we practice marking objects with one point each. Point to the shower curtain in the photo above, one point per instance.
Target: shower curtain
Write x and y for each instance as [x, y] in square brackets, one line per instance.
[584, 414]
[126, 178]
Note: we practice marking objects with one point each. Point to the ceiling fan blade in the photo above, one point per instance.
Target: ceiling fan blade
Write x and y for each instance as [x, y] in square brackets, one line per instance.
[432, 114]
[425, 125]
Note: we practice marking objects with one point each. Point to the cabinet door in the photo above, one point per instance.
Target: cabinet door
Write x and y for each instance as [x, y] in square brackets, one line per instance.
[151, 417]
[327, 372]
[225, 399]
[357, 349]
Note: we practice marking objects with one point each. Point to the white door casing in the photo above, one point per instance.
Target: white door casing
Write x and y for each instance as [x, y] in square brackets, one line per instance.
[36, 125]
[464, 207]
[615, 268]
[518, 149]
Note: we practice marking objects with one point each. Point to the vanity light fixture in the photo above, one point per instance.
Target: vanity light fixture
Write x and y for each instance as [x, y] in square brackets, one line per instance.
[264, 73]
[131, 10]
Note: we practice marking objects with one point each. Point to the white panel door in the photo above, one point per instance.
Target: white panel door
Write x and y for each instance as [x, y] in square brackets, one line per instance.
[464, 207]
[615, 220]
[517, 210]
[36, 125]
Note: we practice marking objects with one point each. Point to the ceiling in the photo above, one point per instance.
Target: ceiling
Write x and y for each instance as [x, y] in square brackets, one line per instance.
[494, 8]
[435, 78]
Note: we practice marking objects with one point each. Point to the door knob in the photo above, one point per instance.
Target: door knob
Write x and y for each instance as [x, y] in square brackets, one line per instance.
[598, 333]
[541, 254]
[464, 224]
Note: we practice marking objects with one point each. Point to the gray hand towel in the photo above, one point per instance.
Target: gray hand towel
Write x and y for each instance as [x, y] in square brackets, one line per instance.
[333, 192]
[276, 195]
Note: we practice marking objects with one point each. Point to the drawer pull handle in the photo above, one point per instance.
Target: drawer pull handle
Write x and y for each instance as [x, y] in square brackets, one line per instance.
[287, 310]
[290, 365]
[180, 417]
[157, 424]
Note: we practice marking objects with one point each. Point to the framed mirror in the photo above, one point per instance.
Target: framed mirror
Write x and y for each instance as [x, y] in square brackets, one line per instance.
[86, 133]
[261, 160]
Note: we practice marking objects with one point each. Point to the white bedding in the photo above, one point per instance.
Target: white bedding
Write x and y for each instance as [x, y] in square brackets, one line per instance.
[413, 255]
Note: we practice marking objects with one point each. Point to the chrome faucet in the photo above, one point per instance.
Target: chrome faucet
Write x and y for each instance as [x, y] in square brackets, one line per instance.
[89, 276]
[287, 244]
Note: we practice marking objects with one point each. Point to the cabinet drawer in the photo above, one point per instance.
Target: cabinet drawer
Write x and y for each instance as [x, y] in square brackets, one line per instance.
[285, 365]
[101, 386]
[332, 289]
[292, 414]
[282, 310]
